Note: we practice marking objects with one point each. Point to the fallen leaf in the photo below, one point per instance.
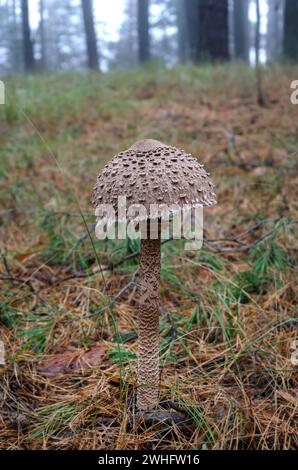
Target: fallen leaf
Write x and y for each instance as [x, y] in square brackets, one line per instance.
[72, 360]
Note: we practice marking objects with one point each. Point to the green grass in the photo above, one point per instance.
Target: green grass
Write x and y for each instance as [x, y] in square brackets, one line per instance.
[227, 317]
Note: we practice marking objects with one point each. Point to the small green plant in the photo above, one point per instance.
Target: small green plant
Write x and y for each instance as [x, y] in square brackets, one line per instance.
[38, 330]
[121, 355]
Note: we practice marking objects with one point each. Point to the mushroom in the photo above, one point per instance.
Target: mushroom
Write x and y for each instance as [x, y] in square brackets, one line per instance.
[150, 172]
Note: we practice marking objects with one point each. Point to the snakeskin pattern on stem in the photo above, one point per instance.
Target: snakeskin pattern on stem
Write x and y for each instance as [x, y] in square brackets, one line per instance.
[148, 355]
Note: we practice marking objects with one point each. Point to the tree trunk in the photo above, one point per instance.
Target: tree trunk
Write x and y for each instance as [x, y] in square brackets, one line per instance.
[42, 35]
[193, 27]
[15, 46]
[275, 29]
[261, 100]
[143, 31]
[183, 39]
[240, 21]
[208, 29]
[91, 42]
[27, 42]
[291, 30]
[214, 29]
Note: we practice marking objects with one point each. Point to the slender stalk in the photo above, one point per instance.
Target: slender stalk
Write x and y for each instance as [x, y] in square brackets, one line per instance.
[148, 356]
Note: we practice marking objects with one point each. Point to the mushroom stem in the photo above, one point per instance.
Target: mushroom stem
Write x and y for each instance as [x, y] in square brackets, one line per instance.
[148, 356]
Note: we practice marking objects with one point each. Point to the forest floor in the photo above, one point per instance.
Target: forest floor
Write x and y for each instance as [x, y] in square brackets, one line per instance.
[228, 312]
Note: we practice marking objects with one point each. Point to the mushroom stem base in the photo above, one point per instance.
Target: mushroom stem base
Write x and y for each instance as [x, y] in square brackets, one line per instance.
[148, 355]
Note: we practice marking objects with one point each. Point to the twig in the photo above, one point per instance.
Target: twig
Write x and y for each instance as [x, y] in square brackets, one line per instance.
[18, 280]
[244, 247]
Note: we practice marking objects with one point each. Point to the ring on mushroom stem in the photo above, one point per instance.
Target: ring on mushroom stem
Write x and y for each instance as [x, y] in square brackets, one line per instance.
[171, 176]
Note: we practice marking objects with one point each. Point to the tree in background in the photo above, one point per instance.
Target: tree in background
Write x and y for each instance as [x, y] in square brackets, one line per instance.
[275, 29]
[291, 30]
[125, 50]
[192, 38]
[43, 58]
[124, 53]
[214, 29]
[5, 30]
[182, 24]
[11, 39]
[261, 99]
[164, 33]
[64, 32]
[143, 31]
[208, 29]
[241, 32]
[27, 42]
[91, 41]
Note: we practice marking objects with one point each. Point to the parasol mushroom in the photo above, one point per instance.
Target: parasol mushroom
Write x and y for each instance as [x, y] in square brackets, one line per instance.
[150, 172]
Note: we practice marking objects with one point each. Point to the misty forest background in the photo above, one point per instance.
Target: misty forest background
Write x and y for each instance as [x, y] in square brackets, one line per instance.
[83, 81]
[67, 35]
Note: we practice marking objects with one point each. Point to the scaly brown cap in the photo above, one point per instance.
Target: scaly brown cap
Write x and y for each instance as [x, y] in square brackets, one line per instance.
[150, 172]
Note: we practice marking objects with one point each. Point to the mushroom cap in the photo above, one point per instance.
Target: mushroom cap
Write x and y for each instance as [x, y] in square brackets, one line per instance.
[151, 172]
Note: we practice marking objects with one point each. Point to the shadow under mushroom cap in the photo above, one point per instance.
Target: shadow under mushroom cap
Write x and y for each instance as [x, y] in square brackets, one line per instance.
[151, 172]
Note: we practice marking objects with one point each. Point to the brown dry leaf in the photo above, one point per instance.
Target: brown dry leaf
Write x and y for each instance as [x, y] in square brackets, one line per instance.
[72, 360]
